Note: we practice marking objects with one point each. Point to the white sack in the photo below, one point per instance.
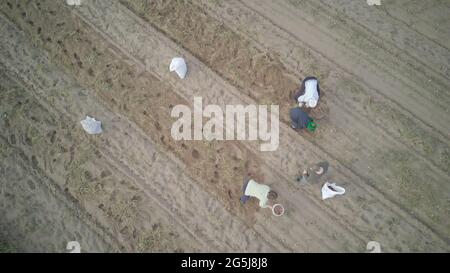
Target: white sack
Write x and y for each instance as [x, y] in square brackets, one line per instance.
[179, 66]
[73, 2]
[311, 96]
[374, 2]
[329, 193]
[91, 125]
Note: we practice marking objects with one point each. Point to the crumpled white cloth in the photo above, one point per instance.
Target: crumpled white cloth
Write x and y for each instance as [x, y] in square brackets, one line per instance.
[91, 125]
[179, 66]
[73, 2]
[374, 2]
[311, 96]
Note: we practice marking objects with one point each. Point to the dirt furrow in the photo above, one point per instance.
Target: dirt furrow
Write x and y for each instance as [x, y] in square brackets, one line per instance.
[400, 159]
[55, 217]
[434, 56]
[89, 186]
[344, 92]
[37, 216]
[427, 19]
[372, 172]
[206, 80]
[426, 145]
[340, 87]
[230, 156]
[196, 207]
[81, 171]
[147, 57]
[357, 53]
[156, 194]
[230, 165]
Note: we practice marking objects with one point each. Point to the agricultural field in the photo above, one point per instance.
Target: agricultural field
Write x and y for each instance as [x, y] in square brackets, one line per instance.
[383, 125]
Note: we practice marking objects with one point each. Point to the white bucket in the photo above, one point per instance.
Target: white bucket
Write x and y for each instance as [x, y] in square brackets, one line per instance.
[278, 207]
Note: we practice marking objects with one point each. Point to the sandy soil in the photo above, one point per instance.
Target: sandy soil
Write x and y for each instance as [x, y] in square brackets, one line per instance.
[384, 125]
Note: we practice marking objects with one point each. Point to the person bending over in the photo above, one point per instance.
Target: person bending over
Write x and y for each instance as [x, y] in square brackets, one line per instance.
[301, 120]
[309, 93]
[260, 191]
[313, 174]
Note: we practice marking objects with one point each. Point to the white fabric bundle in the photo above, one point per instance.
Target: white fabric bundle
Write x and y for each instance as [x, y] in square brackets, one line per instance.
[179, 66]
[311, 96]
[374, 2]
[91, 125]
[73, 2]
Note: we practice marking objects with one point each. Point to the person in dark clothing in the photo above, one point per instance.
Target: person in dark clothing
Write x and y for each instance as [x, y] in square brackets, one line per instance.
[312, 174]
[301, 120]
[244, 198]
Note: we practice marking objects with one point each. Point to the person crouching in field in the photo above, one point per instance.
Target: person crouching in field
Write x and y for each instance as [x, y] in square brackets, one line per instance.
[313, 174]
[262, 192]
[301, 120]
[309, 93]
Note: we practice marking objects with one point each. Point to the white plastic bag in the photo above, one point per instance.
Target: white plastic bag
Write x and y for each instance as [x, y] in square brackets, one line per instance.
[91, 125]
[73, 2]
[373, 2]
[330, 190]
[179, 66]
